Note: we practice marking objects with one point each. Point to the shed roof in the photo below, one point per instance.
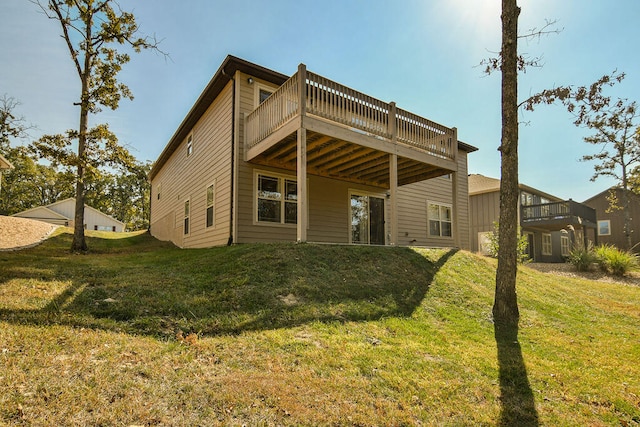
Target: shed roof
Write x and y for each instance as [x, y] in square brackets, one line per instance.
[4, 163]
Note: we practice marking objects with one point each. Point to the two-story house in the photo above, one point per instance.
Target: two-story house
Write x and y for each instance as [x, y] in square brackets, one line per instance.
[552, 225]
[266, 157]
[611, 222]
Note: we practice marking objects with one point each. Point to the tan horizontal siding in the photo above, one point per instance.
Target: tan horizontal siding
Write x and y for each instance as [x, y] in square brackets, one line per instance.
[484, 210]
[412, 208]
[183, 178]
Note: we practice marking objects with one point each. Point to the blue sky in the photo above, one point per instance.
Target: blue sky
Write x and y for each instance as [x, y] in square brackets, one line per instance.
[422, 54]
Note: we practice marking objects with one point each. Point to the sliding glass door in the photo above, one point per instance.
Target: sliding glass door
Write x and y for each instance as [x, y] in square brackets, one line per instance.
[367, 219]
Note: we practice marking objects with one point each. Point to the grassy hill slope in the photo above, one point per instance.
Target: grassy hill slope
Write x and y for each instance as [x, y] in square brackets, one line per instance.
[139, 332]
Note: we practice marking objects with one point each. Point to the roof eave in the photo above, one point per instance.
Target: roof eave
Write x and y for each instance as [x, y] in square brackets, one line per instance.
[223, 75]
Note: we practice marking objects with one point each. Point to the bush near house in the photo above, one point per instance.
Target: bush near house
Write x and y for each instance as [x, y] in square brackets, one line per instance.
[608, 258]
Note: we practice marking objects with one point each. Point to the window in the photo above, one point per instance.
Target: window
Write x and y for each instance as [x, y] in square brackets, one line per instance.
[277, 199]
[564, 245]
[261, 93]
[186, 217]
[439, 218]
[546, 244]
[189, 145]
[604, 227]
[159, 190]
[210, 204]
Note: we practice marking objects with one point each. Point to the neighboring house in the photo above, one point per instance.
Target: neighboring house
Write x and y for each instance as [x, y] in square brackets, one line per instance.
[611, 222]
[63, 213]
[552, 225]
[265, 157]
[4, 164]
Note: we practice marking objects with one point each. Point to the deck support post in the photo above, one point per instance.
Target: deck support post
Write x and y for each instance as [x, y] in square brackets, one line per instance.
[301, 167]
[393, 198]
[393, 176]
[455, 195]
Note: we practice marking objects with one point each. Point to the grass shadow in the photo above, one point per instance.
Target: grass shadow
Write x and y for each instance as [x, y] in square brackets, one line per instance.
[141, 286]
[516, 397]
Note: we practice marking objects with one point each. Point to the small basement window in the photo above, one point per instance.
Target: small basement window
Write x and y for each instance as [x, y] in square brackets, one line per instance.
[187, 212]
[210, 205]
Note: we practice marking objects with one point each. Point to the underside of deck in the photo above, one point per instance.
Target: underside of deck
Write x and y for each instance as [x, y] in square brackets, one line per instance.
[337, 158]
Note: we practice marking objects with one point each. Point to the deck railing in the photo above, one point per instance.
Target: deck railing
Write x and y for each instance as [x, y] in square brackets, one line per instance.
[355, 110]
[557, 211]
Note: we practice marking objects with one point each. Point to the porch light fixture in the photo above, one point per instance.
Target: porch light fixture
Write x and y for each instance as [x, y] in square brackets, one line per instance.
[250, 80]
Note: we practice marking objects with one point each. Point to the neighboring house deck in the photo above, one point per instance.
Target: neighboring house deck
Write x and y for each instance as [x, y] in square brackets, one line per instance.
[373, 173]
[552, 225]
[63, 213]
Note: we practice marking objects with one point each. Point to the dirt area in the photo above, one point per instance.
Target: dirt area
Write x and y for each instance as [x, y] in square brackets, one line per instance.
[568, 270]
[20, 233]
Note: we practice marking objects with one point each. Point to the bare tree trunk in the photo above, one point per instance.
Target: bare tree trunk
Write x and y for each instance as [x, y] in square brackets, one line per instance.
[505, 307]
[79, 243]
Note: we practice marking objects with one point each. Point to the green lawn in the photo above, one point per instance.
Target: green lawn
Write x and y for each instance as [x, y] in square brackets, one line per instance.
[138, 332]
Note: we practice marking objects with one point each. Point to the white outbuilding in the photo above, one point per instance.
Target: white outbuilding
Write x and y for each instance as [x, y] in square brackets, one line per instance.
[63, 212]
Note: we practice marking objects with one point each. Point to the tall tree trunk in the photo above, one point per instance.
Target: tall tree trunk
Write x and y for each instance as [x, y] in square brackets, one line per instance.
[79, 243]
[505, 307]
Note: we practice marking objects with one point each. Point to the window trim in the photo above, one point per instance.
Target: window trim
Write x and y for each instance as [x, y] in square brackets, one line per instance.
[186, 220]
[440, 205]
[547, 249]
[281, 181]
[256, 92]
[608, 221]
[207, 206]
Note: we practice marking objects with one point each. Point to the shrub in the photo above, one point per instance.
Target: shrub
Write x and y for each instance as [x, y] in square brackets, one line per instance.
[615, 261]
[582, 258]
[522, 248]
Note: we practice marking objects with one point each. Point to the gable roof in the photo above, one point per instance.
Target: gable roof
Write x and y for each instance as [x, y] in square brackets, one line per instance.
[41, 212]
[224, 75]
[72, 200]
[50, 211]
[480, 184]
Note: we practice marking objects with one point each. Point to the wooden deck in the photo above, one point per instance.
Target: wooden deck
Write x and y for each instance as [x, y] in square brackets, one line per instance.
[349, 134]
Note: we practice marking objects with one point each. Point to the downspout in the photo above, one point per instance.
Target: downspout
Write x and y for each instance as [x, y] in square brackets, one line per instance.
[150, 201]
[233, 154]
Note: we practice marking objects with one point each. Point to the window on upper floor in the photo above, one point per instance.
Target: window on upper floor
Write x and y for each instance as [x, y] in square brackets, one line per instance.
[261, 93]
[189, 145]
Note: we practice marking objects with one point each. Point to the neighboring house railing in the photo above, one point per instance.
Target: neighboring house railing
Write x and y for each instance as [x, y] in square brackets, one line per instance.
[355, 110]
[569, 210]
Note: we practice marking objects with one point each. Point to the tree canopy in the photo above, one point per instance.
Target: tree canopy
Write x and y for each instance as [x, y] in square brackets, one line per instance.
[94, 31]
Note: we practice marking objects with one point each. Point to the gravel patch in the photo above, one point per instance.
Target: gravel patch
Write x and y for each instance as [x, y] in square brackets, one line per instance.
[20, 233]
[568, 270]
